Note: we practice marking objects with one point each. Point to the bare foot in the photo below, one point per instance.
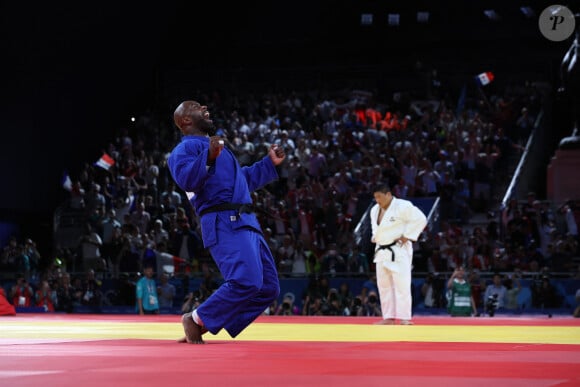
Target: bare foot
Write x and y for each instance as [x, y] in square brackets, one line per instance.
[192, 331]
[387, 321]
[406, 322]
[184, 339]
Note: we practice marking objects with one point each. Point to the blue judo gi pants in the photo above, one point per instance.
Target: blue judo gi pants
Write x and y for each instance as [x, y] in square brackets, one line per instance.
[250, 280]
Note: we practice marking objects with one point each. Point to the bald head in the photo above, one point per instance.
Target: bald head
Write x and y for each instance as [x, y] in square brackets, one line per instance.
[193, 118]
[183, 114]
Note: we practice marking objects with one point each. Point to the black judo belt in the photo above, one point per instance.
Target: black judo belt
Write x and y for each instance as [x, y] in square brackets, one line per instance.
[388, 247]
[241, 208]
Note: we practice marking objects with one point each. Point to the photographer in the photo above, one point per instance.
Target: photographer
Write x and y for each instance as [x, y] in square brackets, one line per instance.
[372, 306]
[495, 293]
[287, 307]
[491, 304]
[191, 302]
[357, 307]
[333, 305]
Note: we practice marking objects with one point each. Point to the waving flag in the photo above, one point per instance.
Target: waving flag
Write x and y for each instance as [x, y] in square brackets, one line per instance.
[105, 162]
[484, 78]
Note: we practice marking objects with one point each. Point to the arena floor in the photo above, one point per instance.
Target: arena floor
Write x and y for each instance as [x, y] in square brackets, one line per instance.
[128, 350]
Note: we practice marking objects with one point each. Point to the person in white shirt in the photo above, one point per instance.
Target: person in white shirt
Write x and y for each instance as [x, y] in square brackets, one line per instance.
[497, 290]
[395, 224]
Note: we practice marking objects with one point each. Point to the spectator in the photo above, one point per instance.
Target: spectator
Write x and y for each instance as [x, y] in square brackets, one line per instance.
[544, 294]
[173, 197]
[284, 255]
[146, 293]
[461, 302]
[165, 292]
[186, 243]
[21, 293]
[299, 260]
[91, 290]
[90, 245]
[332, 261]
[141, 218]
[65, 294]
[571, 226]
[10, 252]
[127, 290]
[159, 233]
[22, 262]
[357, 262]
[34, 258]
[524, 126]
[513, 287]
[431, 290]
[46, 297]
[478, 287]
[111, 232]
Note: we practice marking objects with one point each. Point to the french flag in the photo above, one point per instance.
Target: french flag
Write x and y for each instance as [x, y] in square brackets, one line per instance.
[484, 78]
[105, 162]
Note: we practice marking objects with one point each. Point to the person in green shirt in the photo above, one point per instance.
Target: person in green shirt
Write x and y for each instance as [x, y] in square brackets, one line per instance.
[461, 302]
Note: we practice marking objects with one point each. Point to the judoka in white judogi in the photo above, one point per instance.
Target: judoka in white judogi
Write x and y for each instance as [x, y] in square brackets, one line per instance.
[396, 224]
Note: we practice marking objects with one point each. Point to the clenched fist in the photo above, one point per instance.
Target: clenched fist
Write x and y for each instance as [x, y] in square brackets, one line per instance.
[216, 145]
[277, 154]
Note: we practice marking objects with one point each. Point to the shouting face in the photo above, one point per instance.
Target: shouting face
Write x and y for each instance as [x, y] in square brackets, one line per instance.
[192, 118]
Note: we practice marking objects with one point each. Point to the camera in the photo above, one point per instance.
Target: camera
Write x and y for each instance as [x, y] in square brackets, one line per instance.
[286, 305]
[491, 305]
[372, 299]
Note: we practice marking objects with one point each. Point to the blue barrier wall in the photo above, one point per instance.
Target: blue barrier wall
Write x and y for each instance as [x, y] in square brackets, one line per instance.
[566, 289]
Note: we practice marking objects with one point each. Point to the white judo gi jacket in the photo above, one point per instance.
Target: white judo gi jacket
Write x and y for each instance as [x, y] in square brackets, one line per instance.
[394, 263]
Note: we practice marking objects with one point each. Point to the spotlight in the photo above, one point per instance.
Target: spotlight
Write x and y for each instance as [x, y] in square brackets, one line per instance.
[422, 17]
[528, 12]
[366, 19]
[394, 19]
[491, 14]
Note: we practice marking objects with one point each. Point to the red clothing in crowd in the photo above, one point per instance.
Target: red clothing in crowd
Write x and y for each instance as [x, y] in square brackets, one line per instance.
[43, 299]
[22, 295]
[6, 309]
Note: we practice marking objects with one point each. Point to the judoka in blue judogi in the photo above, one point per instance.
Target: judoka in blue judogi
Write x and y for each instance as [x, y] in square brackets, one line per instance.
[219, 190]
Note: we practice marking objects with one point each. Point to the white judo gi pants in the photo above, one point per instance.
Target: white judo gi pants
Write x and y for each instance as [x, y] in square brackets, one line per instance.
[394, 281]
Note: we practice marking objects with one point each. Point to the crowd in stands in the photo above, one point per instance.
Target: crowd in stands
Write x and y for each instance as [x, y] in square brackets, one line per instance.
[338, 145]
